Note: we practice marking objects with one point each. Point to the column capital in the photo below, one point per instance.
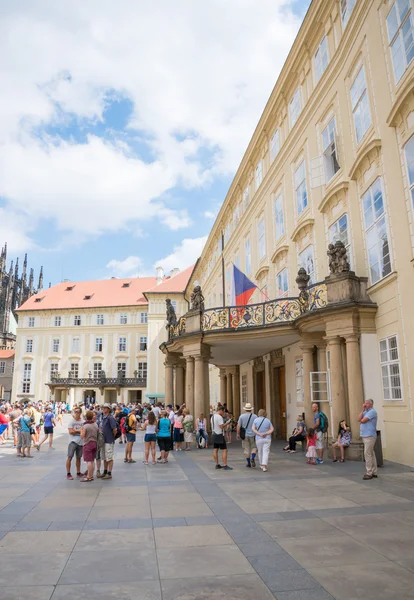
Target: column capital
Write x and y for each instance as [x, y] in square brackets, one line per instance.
[306, 347]
[189, 359]
[352, 338]
[332, 340]
[222, 372]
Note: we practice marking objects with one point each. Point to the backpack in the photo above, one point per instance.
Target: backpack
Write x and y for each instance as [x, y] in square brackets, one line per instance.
[323, 422]
[126, 424]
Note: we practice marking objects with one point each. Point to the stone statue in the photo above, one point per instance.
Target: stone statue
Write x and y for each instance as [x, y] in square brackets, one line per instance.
[302, 280]
[171, 316]
[197, 299]
[338, 260]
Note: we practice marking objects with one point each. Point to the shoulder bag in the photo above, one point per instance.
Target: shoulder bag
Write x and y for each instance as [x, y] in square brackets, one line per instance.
[243, 429]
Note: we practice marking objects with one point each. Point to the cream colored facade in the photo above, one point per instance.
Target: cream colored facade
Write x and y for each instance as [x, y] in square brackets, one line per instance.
[331, 157]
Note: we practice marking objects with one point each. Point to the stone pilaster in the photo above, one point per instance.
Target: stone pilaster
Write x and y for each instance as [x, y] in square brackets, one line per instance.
[189, 383]
[338, 398]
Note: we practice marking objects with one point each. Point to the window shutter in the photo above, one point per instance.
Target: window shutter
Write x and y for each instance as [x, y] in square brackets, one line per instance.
[317, 172]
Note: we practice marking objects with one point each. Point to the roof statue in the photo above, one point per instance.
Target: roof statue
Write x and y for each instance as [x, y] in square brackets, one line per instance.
[171, 316]
[197, 299]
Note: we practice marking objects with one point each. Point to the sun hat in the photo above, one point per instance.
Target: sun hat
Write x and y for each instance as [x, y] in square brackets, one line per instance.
[107, 405]
[248, 407]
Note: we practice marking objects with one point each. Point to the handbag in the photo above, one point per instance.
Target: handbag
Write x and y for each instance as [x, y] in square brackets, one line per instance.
[243, 429]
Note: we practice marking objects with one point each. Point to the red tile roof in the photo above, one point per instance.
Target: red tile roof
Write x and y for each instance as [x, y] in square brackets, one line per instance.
[176, 284]
[6, 354]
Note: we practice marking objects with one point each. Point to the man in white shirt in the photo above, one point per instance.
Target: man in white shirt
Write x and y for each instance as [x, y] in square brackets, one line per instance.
[156, 410]
[218, 427]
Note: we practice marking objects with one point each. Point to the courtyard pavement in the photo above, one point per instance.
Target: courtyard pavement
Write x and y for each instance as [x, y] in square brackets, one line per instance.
[185, 531]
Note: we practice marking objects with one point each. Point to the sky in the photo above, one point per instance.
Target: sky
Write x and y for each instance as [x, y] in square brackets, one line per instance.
[122, 125]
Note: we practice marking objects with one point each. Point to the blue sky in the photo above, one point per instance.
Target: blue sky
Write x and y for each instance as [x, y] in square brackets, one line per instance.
[120, 132]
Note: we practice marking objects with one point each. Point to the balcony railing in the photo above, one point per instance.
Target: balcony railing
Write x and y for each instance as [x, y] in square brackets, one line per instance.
[138, 382]
[263, 314]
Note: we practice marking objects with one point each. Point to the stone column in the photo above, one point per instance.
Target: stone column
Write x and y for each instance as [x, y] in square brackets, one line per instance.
[229, 392]
[322, 366]
[199, 386]
[206, 409]
[236, 392]
[223, 383]
[307, 355]
[189, 383]
[169, 382]
[355, 383]
[337, 382]
[179, 384]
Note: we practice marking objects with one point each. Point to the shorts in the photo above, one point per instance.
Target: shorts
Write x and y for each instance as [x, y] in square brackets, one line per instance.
[3, 427]
[165, 444]
[108, 451]
[24, 440]
[89, 451]
[319, 440]
[48, 430]
[150, 437]
[249, 444]
[131, 437]
[73, 449]
[220, 445]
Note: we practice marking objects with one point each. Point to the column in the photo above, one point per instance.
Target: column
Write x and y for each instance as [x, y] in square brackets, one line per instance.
[236, 392]
[189, 383]
[223, 383]
[307, 355]
[206, 409]
[269, 399]
[179, 384]
[199, 386]
[169, 383]
[337, 382]
[229, 392]
[322, 366]
[355, 383]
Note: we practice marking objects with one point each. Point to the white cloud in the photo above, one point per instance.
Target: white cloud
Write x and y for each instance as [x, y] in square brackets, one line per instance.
[208, 214]
[125, 268]
[196, 89]
[183, 255]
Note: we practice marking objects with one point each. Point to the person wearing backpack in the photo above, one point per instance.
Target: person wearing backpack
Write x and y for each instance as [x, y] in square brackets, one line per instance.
[246, 434]
[130, 426]
[320, 425]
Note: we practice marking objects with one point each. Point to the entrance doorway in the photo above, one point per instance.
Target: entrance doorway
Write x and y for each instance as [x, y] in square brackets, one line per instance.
[279, 389]
[260, 387]
[89, 396]
[134, 396]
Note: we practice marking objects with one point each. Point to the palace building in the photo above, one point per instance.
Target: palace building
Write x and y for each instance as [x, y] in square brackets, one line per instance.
[325, 188]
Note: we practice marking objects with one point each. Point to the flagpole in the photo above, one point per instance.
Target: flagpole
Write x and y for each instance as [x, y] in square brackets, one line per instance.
[223, 270]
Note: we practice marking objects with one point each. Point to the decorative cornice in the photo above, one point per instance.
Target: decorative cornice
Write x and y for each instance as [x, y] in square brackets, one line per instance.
[281, 250]
[300, 226]
[341, 186]
[371, 148]
[261, 271]
[402, 96]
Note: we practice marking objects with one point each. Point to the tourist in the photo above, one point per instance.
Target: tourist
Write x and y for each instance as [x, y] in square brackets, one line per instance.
[150, 438]
[188, 426]
[24, 442]
[164, 437]
[48, 424]
[317, 426]
[298, 435]
[14, 416]
[246, 434]
[311, 446]
[263, 429]
[89, 435]
[343, 441]
[4, 424]
[75, 443]
[100, 441]
[109, 429]
[178, 430]
[156, 409]
[368, 431]
[201, 431]
[130, 425]
[218, 427]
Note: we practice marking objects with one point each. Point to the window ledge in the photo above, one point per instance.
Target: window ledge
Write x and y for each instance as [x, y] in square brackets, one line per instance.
[383, 282]
[74, 356]
[54, 357]
[28, 357]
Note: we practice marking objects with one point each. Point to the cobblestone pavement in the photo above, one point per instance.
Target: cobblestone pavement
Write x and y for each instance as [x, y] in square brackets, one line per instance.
[185, 531]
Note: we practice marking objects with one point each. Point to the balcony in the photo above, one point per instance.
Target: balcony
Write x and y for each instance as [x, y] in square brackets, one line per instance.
[102, 381]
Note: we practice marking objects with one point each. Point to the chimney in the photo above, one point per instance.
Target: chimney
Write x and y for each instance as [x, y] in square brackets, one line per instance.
[174, 272]
[160, 274]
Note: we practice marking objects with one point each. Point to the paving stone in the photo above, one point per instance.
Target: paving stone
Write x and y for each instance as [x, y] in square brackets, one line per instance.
[207, 561]
[228, 587]
[101, 524]
[195, 535]
[31, 569]
[135, 523]
[37, 526]
[38, 592]
[290, 580]
[66, 525]
[298, 514]
[261, 548]
[169, 522]
[201, 520]
[144, 590]
[266, 517]
[97, 541]
[267, 564]
[309, 594]
[19, 542]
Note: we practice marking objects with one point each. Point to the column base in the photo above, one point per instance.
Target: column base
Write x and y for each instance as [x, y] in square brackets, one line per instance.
[354, 452]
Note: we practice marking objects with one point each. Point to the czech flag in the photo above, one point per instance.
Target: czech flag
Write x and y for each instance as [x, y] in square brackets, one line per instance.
[241, 288]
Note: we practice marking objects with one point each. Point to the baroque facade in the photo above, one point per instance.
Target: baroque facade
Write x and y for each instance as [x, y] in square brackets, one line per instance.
[330, 160]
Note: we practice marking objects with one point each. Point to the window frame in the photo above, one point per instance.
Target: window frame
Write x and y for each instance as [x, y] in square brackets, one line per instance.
[316, 61]
[74, 369]
[31, 322]
[295, 104]
[279, 223]
[248, 256]
[144, 318]
[2, 367]
[345, 14]
[285, 273]
[261, 238]
[363, 100]
[77, 320]
[29, 346]
[74, 346]
[98, 344]
[53, 368]
[275, 144]
[333, 239]
[122, 344]
[142, 369]
[97, 370]
[100, 319]
[141, 343]
[58, 321]
[258, 174]
[375, 225]
[312, 279]
[399, 36]
[330, 150]
[299, 188]
[299, 378]
[244, 388]
[55, 345]
[387, 364]
[407, 166]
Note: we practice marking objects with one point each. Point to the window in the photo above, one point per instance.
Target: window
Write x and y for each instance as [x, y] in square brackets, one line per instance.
[245, 198]
[123, 319]
[27, 375]
[282, 284]
[122, 369]
[376, 234]
[97, 370]
[144, 318]
[330, 150]
[400, 36]
[99, 319]
[75, 344]
[228, 289]
[299, 380]
[360, 105]
[321, 58]
[55, 345]
[236, 219]
[258, 173]
[244, 389]
[58, 321]
[279, 218]
[174, 304]
[2, 367]
[122, 344]
[77, 320]
[98, 344]
[346, 9]
[142, 370]
[294, 108]
[300, 187]
[237, 259]
[307, 262]
[143, 344]
[275, 145]
[339, 231]
[74, 370]
[29, 345]
[54, 370]
[261, 238]
[31, 322]
[248, 256]
[227, 233]
[409, 157]
[390, 369]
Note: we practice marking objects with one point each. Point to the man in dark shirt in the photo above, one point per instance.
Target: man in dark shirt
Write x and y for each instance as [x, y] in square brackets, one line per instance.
[109, 428]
